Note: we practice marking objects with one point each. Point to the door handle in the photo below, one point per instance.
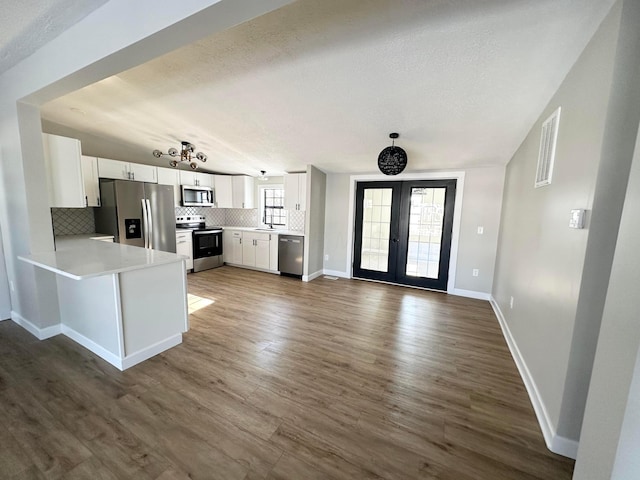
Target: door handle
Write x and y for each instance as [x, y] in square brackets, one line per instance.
[394, 240]
[145, 227]
[150, 223]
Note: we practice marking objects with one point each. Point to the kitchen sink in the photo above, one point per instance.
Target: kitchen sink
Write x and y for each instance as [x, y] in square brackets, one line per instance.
[266, 229]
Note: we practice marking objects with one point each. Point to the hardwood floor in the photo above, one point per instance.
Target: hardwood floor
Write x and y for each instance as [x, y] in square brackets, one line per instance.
[281, 379]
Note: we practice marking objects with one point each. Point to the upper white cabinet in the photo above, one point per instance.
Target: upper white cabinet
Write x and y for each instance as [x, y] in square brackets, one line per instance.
[223, 186]
[143, 173]
[126, 171]
[295, 191]
[196, 178]
[243, 191]
[90, 180]
[64, 171]
[171, 176]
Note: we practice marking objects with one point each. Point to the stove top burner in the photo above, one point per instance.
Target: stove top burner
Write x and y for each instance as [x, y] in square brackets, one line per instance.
[195, 223]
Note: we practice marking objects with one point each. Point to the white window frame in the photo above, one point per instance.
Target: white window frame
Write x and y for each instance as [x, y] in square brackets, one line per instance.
[271, 186]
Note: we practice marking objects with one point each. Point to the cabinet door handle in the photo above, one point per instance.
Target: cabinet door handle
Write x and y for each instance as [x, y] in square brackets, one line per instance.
[241, 241]
[86, 201]
[183, 241]
[98, 201]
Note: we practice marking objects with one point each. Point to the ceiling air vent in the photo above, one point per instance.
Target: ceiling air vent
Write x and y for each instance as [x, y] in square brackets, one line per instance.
[547, 149]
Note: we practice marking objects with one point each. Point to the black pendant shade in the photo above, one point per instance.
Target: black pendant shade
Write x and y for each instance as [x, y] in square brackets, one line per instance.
[392, 160]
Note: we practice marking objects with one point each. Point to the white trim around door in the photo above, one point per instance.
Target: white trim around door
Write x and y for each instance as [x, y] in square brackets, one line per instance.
[457, 212]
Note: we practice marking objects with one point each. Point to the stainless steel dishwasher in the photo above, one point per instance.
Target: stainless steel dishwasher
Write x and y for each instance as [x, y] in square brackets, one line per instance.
[290, 252]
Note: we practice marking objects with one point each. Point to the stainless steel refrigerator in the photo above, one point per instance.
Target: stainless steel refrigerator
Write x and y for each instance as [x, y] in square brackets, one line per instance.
[138, 214]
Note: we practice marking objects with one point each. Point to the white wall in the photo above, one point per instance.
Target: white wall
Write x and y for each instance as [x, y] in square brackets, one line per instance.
[109, 40]
[482, 195]
[5, 298]
[314, 221]
[558, 276]
[610, 437]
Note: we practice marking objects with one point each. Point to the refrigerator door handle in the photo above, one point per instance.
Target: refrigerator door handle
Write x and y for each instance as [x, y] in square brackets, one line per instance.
[150, 222]
[145, 226]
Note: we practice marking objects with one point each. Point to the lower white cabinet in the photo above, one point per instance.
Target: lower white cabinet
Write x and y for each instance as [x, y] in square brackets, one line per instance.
[184, 246]
[251, 249]
[256, 250]
[232, 246]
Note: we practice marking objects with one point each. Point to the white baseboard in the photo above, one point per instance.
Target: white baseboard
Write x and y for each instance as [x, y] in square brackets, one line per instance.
[336, 273]
[313, 276]
[151, 351]
[92, 346]
[555, 443]
[39, 333]
[470, 294]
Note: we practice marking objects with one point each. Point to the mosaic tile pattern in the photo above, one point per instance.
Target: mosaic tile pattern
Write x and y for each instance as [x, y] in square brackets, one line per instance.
[242, 217]
[73, 221]
[296, 220]
[213, 216]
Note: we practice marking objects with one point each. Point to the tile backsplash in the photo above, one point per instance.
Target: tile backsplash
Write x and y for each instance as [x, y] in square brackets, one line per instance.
[241, 217]
[73, 221]
[78, 221]
[296, 220]
[213, 216]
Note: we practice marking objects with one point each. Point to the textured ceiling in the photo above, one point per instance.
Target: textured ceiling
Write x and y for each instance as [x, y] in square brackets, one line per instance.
[26, 25]
[325, 82]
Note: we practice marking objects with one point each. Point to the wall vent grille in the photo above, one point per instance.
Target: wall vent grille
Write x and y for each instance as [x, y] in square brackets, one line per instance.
[547, 153]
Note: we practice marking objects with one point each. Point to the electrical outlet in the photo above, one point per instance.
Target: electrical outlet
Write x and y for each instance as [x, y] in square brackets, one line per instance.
[475, 272]
[326, 258]
[511, 303]
[480, 230]
[13, 287]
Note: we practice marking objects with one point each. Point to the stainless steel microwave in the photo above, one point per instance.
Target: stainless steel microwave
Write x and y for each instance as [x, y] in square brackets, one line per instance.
[195, 196]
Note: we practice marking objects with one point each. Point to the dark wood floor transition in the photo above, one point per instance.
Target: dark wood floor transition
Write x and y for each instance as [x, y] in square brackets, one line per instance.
[281, 379]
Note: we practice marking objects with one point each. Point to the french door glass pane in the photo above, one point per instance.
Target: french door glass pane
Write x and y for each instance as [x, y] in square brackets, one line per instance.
[376, 221]
[426, 216]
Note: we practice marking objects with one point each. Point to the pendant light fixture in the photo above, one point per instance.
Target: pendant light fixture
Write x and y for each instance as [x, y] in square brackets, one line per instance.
[185, 155]
[392, 160]
[263, 175]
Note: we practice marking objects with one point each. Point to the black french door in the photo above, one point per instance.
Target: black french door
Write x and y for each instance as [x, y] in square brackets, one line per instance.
[403, 232]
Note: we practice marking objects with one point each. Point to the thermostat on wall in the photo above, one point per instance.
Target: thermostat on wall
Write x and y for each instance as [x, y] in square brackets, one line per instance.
[577, 218]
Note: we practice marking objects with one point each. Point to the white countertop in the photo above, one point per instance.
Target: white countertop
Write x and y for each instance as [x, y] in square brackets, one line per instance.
[266, 230]
[65, 242]
[92, 258]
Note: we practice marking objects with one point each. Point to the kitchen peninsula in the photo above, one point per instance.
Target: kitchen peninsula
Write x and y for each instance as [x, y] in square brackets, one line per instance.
[125, 304]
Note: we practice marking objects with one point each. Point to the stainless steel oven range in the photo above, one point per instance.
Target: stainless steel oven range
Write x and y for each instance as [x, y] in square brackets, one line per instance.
[207, 242]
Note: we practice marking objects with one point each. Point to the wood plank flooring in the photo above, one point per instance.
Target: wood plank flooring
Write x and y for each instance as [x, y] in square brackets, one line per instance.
[281, 379]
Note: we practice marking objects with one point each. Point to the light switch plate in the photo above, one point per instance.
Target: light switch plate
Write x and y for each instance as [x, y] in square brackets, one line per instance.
[577, 218]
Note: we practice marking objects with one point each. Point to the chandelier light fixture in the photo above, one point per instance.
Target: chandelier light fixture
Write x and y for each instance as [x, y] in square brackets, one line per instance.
[392, 160]
[185, 154]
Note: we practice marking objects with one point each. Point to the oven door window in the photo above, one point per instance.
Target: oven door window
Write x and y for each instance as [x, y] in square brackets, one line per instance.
[207, 244]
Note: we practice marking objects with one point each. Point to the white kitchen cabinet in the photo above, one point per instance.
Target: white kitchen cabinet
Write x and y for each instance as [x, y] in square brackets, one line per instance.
[118, 170]
[232, 246]
[171, 176]
[295, 191]
[184, 246]
[113, 169]
[243, 187]
[196, 178]
[223, 186]
[256, 250]
[273, 252]
[143, 173]
[187, 177]
[64, 171]
[90, 181]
